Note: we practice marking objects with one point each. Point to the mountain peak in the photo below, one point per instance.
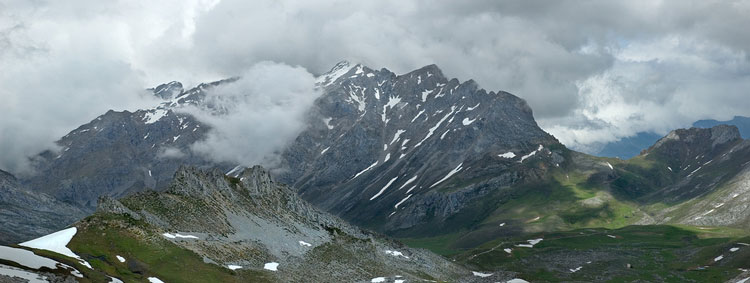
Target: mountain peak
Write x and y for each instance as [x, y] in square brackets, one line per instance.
[428, 71]
[724, 133]
[338, 70]
[256, 174]
[168, 90]
[696, 140]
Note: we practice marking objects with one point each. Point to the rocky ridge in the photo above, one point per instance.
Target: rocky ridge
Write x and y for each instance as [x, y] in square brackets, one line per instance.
[251, 220]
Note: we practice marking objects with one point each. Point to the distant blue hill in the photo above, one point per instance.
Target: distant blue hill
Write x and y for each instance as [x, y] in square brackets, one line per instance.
[742, 123]
[632, 146]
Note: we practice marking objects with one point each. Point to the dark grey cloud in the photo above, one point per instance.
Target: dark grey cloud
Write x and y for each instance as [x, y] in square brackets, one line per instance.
[593, 71]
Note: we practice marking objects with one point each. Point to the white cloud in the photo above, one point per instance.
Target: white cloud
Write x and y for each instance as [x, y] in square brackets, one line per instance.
[656, 86]
[257, 115]
[169, 153]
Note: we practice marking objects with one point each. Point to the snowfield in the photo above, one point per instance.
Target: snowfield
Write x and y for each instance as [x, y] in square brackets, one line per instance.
[26, 258]
[57, 242]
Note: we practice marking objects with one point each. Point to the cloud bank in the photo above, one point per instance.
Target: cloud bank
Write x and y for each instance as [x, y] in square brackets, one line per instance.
[593, 71]
[255, 117]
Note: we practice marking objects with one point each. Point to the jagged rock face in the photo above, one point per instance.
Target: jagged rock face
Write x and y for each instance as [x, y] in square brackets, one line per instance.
[123, 152]
[698, 160]
[26, 215]
[252, 219]
[378, 139]
[683, 143]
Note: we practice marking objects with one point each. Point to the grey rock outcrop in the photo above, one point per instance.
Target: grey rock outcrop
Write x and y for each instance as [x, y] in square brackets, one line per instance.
[26, 215]
[252, 219]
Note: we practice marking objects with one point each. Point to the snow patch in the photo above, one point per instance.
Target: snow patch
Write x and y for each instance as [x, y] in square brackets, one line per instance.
[384, 188]
[483, 275]
[156, 115]
[235, 171]
[178, 235]
[155, 280]
[531, 243]
[328, 123]
[610, 166]
[402, 201]
[507, 155]
[451, 173]
[418, 114]
[410, 189]
[467, 121]
[396, 254]
[508, 250]
[392, 102]
[574, 270]
[378, 280]
[445, 133]
[718, 258]
[305, 244]
[324, 150]
[426, 93]
[472, 108]
[532, 153]
[339, 70]
[272, 266]
[517, 280]
[734, 249]
[234, 267]
[366, 169]
[409, 182]
[397, 135]
[121, 259]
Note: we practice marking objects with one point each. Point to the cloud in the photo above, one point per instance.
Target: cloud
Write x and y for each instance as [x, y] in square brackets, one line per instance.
[593, 71]
[255, 117]
[656, 86]
[170, 153]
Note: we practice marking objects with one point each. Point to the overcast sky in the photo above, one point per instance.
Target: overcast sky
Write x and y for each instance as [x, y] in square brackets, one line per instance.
[593, 71]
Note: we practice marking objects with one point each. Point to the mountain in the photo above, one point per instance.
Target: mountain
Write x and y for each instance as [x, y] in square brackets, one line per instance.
[26, 214]
[631, 146]
[704, 173]
[434, 162]
[743, 123]
[209, 227]
[119, 153]
[677, 212]
[421, 135]
[401, 153]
